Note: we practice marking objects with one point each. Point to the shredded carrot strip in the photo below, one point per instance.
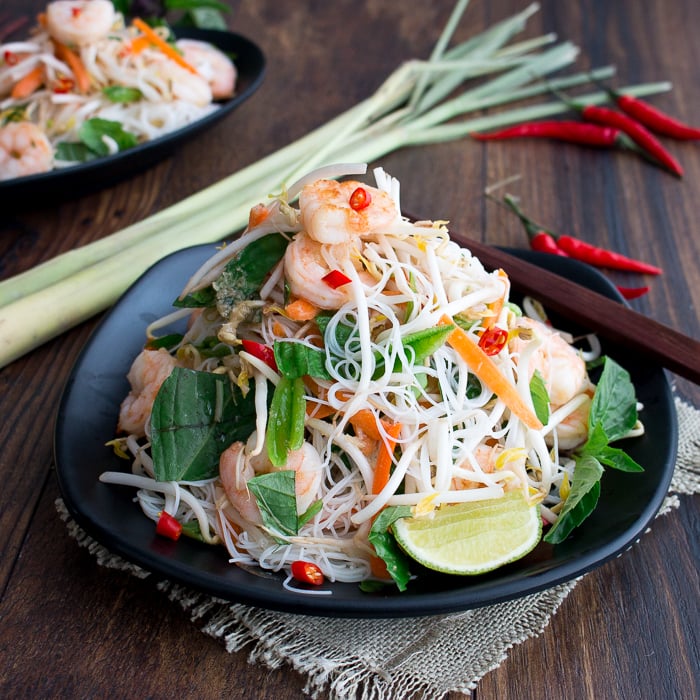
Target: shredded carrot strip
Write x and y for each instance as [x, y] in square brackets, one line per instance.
[76, 64]
[366, 421]
[163, 45]
[382, 469]
[26, 85]
[138, 44]
[257, 215]
[301, 310]
[378, 568]
[487, 371]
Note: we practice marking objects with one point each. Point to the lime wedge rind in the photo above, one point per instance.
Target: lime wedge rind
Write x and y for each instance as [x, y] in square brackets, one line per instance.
[472, 538]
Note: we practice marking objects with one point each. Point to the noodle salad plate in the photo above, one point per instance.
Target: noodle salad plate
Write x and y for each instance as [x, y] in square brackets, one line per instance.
[92, 174]
[360, 458]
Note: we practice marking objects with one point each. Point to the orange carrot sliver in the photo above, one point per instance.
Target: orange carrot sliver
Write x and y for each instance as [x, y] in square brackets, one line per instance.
[487, 372]
[30, 82]
[382, 469]
[301, 310]
[163, 45]
[76, 64]
[366, 421]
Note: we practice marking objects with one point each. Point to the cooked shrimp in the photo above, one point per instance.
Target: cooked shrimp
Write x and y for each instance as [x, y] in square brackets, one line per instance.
[235, 471]
[572, 431]
[24, 150]
[175, 82]
[148, 372]
[327, 217]
[213, 65]
[560, 364]
[237, 466]
[79, 22]
[306, 262]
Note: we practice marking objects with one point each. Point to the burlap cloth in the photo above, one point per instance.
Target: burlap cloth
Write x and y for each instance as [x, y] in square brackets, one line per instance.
[391, 659]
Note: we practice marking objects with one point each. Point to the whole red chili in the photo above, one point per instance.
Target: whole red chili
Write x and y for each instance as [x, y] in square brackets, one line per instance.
[262, 352]
[541, 240]
[580, 250]
[632, 292]
[307, 572]
[168, 526]
[335, 279]
[649, 144]
[493, 340]
[653, 118]
[360, 199]
[569, 131]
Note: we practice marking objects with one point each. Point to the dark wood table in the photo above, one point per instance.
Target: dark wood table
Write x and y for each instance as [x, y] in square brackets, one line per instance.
[70, 628]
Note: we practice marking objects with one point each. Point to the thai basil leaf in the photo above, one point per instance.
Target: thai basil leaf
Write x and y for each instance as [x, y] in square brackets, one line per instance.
[165, 341]
[91, 133]
[614, 404]
[195, 417]
[386, 546]
[277, 501]
[295, 359]
[582, 499]
[196, 4]
[540, 397]
[310, 513]
[343, 332]
[74, 152]
[122, 93]
[285, 423]
[242, 277]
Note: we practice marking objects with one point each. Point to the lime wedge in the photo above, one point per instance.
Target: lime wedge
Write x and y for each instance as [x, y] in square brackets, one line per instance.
[472, 538]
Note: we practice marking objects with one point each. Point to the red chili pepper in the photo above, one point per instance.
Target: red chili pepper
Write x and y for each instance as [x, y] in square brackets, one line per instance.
[493, 340]
[335, 279]
[653, 118]
[63, 85]
[600, 257]
[76, 11]
[544, 242]
[570, 131]
[632, 292]
[307, 572]
[580, 250]
[262, 352]
[11, 58]
[649, 144]
[360, 199]
[167, 526]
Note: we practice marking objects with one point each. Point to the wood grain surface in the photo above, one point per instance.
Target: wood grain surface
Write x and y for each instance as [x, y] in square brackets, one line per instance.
[71, 629]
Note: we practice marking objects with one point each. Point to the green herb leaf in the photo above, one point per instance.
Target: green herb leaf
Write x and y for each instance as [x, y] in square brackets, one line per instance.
[614, 404]
[277, 501]
[285, 423]
[386, 547]
[295, 359]
[582, 500]
[310, 513]
[618, 459]
[74, 152]
[195, 417]
[91, 133]
[122, 93]
[540, 397]
[196, 4]
[165, 341]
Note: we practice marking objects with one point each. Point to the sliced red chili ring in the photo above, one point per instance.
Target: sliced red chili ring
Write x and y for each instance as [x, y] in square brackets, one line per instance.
[63, 85]
[11, 58]
[169, 527]
[307, 572]
[262, 352]
[360, 199]
[335, 279]
[493, 340]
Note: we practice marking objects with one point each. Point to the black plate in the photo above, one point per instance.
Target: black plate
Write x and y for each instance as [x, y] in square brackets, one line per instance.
[77, 180]
[87, 419]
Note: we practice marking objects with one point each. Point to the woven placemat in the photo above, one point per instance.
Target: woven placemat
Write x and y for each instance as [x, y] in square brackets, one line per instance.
[390, 659]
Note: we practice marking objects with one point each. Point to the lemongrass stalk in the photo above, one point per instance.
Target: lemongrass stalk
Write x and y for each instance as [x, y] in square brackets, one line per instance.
[439, 48]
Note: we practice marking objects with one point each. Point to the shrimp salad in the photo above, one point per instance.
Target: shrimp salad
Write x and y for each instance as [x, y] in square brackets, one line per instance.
[85, 85]
[338, 361]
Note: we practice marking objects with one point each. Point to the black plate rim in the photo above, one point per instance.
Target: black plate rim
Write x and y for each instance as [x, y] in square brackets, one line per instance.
[512, 586]
[150, 152]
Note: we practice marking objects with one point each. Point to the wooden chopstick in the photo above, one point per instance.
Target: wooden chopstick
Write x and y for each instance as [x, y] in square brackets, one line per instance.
[606, 317]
